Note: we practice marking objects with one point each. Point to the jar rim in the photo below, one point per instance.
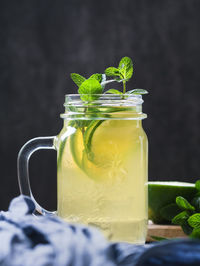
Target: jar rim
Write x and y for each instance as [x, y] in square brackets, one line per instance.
[104, 99]
[103, 106]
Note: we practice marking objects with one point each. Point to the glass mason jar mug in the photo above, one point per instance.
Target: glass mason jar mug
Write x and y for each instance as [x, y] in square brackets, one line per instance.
[102, 157]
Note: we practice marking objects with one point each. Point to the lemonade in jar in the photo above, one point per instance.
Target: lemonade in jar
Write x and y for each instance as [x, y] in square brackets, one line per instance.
[102, 158]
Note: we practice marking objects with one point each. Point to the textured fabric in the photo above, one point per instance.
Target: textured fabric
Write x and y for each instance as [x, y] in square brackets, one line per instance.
[27, 240]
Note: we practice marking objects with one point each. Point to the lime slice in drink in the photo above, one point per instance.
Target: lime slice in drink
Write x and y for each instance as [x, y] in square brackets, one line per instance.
[77, 146]
[162, 195]
[107, 145]
[71, 149]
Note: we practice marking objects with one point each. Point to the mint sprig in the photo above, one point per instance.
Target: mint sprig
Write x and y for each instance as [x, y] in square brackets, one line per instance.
[123, 72]
[189, 218]
[90, 90]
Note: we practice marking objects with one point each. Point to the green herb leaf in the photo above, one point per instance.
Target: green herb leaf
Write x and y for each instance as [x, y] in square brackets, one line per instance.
[194, 220]
[197, 185]
[126, 67]
[159, 238]
[90, 87]
[77, 79]
[112, 72]
[169, 211]
[113, 91]
[195, 233]
[187, 229]
[96, 76]
[137, 91]
[184, 204]
[196, 203]
[180, 218]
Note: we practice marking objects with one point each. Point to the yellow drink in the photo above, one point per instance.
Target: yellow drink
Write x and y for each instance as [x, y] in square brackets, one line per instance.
[102, 177]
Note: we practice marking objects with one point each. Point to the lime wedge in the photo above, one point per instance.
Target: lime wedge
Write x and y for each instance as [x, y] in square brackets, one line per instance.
[163, 194]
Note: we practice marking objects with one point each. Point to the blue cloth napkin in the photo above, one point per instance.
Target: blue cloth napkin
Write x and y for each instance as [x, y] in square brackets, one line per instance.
[27, 240]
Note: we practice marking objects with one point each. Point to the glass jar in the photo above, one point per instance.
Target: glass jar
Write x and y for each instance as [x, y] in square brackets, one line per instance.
[102, 158]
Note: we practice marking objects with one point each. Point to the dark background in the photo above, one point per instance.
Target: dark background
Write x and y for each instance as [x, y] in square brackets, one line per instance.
[42, 42]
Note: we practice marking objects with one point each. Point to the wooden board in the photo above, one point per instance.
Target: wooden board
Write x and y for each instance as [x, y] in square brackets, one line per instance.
[167, 231]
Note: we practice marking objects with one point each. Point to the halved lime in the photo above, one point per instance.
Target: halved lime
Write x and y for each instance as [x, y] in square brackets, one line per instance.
[163, 194]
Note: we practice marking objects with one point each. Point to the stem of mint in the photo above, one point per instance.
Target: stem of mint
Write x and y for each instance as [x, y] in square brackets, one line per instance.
[124, 87]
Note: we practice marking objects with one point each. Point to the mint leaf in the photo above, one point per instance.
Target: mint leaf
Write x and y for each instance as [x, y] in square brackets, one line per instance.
[123, 73]
[96, 76]
[187, 229]
[112, 72]
[197, 185]
[194, 220]
[180, 218]
[90, 87]
[159, 238]
[77, 79]
[196, 203]
[184, 204]
[126, 67]
[113, 91]
[195, 233]
[137, 91]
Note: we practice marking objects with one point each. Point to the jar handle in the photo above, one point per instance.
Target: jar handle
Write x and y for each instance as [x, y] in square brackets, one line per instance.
[23, 167]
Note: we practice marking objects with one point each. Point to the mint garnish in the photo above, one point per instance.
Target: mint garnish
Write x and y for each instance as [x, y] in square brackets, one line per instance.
[90, 90]
[78, 79]
[123, 72]
[90, 87]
